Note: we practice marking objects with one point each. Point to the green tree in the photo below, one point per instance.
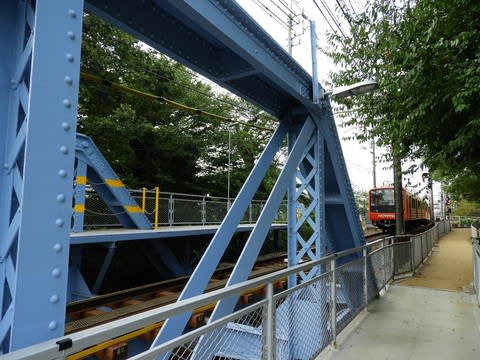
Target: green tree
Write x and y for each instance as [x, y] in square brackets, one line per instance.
[150, 143]
[426, 58]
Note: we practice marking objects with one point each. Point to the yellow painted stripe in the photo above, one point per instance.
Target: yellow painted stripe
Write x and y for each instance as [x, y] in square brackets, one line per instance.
[92, 350]
[114, 182]
[81, 180]
[79, 208]
[133, 208]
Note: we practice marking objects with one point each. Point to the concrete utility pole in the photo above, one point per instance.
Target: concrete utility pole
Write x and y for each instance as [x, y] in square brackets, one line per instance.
[290, 29]
[374, 164]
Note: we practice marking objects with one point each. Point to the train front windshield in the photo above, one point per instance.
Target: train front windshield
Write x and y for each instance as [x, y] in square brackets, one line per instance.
[382, 200]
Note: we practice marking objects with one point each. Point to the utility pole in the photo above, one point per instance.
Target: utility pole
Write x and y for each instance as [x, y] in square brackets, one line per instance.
[374, 164]
[291, 23]
[290, 28]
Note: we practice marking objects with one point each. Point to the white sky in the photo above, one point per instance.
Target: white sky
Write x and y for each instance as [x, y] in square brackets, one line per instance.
[358, 156]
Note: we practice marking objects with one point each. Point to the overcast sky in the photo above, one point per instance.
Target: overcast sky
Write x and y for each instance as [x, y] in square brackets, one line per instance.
[272, 15]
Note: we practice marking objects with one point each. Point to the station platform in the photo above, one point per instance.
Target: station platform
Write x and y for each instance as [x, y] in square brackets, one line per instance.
[433, 315]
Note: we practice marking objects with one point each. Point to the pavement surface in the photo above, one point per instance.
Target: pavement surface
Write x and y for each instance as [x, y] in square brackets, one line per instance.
[431, 316]
[450, 265]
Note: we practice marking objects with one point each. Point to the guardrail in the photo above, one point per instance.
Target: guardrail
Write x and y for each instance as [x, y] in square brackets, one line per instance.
[170, 209]
[297, 323]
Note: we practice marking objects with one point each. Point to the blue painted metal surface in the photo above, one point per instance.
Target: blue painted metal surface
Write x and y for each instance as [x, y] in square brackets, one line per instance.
[209, 261]
[219, 40]
[107, 236]
[107, 184]
[38, 96]
[39, 81]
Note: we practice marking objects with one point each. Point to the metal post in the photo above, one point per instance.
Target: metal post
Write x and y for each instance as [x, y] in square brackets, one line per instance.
[229, 166]
[269, 321]
[157, 206]
[374, 164]
[204, 211]
[365, 277]
[315, 87]
[39, 77]
[333, 303]
[412, 257]
[385, 262]
[171, 210]
[144, 198]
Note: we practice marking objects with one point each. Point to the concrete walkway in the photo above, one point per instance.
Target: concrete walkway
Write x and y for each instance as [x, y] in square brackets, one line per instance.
[416, 320]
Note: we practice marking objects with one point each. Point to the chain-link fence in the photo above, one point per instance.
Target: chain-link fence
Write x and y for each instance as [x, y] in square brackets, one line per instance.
[169, 209]
[294, 323]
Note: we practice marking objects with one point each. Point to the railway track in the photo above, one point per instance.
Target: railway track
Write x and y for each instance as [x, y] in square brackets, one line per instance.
[109, 307]
[105, 308]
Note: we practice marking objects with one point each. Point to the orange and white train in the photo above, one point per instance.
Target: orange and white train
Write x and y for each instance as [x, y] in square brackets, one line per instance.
[381, 209]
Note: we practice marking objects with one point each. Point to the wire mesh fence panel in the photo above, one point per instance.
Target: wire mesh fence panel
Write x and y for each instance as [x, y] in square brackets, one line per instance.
[255, 209]
[417, 251]
[377, 263]
[98, 215]
[187, 212]
[215, 211]
[239, 338]
[282, 214]
[402, 257]
[303, 320]
[389, 262]
[350, 292]
[425, 248]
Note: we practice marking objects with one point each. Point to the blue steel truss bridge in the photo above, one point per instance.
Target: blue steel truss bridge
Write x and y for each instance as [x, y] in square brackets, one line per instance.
[46, 165]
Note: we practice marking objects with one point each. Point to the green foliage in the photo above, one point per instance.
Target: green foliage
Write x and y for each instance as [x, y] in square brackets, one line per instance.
[426, 58]
[152, 144]
[466, 208]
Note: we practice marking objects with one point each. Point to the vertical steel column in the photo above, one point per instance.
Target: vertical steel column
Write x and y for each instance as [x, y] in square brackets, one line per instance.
[306, 207]
[39, 80]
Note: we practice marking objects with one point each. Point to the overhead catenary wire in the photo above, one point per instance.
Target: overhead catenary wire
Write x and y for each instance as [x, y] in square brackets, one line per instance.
[161, 99]
[270, 13]
[332, 17]
[345, 14]
[184, 86]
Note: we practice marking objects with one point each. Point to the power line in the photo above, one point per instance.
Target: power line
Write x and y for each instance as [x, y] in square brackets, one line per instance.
[347, 16]
[184, 86]
[161, 99]
[289, 12]
[351, 6]
[270, 13]
[326, 18]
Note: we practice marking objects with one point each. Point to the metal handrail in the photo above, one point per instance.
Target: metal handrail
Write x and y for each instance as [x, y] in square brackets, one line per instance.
[86, 338]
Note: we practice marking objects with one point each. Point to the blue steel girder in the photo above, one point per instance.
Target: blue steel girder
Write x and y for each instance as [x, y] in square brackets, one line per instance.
[107, 184]
[219, 40]
[39, 77]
